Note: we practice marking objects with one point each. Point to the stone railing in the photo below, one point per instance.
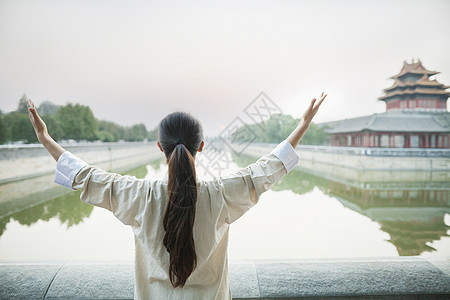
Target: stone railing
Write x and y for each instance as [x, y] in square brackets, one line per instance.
[365, 278]
[396, 152]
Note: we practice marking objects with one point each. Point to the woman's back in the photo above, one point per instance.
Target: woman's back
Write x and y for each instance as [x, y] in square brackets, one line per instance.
[220, 202]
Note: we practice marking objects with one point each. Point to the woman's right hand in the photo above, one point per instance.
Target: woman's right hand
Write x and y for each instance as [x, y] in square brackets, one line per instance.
[38, 124]
[295, 137]
[312, 109]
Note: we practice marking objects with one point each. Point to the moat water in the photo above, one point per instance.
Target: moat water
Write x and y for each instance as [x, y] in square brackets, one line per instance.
[305, 215]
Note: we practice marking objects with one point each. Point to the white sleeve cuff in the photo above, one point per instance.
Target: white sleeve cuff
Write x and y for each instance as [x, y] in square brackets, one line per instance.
[67, 167]
[286, 153]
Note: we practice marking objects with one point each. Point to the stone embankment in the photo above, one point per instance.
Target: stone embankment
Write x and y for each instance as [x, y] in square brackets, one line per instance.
[367, 159]
[369, 165]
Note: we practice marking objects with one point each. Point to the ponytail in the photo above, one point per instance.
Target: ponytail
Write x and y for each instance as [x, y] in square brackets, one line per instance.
[179, 216]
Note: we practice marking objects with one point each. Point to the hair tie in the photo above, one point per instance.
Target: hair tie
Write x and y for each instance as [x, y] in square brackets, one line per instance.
[180, 141]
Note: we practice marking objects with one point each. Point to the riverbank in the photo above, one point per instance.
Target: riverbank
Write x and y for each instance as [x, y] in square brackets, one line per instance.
[27, 172]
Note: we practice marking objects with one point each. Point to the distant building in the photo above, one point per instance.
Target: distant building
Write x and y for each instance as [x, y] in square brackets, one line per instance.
[416, 115]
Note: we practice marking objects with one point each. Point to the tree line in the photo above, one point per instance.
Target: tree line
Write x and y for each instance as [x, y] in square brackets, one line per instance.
[70, 121]
[278, 128]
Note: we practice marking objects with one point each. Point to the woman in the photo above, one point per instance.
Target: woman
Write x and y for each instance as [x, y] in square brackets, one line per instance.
[180, 223]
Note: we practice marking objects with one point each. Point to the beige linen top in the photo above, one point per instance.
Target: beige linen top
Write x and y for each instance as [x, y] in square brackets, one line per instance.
[141, 204]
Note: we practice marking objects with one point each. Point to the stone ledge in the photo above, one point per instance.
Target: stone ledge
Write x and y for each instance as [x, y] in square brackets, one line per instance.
[362, 278]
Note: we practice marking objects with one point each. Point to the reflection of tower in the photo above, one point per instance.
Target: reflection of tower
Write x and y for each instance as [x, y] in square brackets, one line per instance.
[410, 206]
[412, 215]
[412, 237]
[416, 115]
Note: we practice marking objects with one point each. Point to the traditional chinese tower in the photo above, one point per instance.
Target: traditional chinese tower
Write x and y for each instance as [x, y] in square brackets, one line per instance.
[414, 91]
[416, 115]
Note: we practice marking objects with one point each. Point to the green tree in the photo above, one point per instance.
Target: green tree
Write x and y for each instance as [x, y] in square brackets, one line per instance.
[16, 126]
[276, 129]
[5, 132]
[20, 127]
[107, 128]
[136, 132]
[48, 108]
[153, 134]
[315, 135]
[139, 132]
[53, 127]
[22, 108]
[77, 122]
[105, 136]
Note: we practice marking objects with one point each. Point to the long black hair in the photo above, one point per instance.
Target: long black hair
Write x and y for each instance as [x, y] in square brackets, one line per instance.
[180, 136]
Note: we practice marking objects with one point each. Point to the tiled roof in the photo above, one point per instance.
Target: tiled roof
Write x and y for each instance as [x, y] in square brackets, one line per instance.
[423, 81]
[393, 122]
[414, 68]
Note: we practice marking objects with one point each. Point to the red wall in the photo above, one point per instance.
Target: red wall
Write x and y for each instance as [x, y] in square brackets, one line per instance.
[420, 102]
[365, 139]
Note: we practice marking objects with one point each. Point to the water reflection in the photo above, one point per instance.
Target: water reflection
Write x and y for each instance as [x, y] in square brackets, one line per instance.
[67, 208]
[409, 206]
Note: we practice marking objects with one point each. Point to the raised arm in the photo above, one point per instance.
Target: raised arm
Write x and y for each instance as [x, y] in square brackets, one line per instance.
[41, 132]
[242, 189]
[295, 137]
[125, 196]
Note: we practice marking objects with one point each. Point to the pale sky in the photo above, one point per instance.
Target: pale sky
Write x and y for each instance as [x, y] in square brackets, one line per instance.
[136, 61]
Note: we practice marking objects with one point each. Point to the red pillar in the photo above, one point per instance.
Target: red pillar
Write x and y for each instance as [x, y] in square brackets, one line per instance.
[427, 142]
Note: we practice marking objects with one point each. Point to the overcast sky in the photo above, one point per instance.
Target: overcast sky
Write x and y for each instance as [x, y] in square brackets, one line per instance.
[137, 61]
